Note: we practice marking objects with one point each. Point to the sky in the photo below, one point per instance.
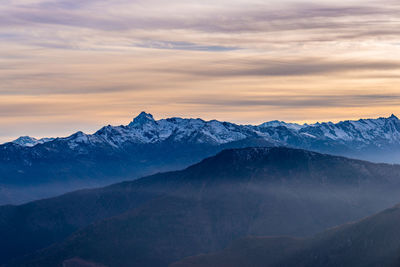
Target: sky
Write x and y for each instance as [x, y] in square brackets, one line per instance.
[68, 65]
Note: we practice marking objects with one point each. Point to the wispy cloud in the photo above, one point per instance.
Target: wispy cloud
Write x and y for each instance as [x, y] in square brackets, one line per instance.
[183, 46]
[289, 67]
[234, 60]
[296, 101]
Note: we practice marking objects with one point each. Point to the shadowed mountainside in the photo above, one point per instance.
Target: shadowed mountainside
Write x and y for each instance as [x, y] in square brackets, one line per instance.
[160, 219]
[373, 241]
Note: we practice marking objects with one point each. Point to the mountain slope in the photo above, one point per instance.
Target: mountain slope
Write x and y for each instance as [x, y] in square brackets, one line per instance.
[113, 154]
[240, 192]
[373, 241]
[35, 225]
[32, 169]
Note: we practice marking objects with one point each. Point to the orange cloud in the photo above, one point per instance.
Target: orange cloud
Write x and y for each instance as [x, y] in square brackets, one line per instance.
[69, 65]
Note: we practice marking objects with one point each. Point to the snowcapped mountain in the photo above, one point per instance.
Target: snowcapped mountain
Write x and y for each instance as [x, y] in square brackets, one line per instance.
[356, 134]
[276, 123]
[365, 131]
[144, 129]
[30, 141]
[146, 146]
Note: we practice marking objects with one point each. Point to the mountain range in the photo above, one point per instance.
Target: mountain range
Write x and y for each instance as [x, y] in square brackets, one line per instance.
[163, 218]
[32, 169]
[351, 137]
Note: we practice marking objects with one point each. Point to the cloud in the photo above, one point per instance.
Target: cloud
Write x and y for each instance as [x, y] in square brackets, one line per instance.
[183, 46]
[188, 25]
[298, 101]
[193, 17]
[288, 67]
[93, 61]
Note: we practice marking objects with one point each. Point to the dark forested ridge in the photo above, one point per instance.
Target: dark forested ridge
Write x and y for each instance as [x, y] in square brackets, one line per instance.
[160, 219]
[373, 241]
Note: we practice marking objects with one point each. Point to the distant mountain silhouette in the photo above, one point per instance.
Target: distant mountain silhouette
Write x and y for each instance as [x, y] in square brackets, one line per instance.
[160, 219]
[374, 241]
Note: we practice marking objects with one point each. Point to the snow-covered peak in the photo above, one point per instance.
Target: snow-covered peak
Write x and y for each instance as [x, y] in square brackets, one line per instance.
[28, 141]
[366, 131]
[142, 119]
[144, 129]
[276, 123]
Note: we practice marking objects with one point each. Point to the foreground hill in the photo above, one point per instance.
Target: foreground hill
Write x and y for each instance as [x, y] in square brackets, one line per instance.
[32, 169]
[374, 241]
[160, 219]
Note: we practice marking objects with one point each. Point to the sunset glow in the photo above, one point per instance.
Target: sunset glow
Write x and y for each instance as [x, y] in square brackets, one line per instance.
[76, 65]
